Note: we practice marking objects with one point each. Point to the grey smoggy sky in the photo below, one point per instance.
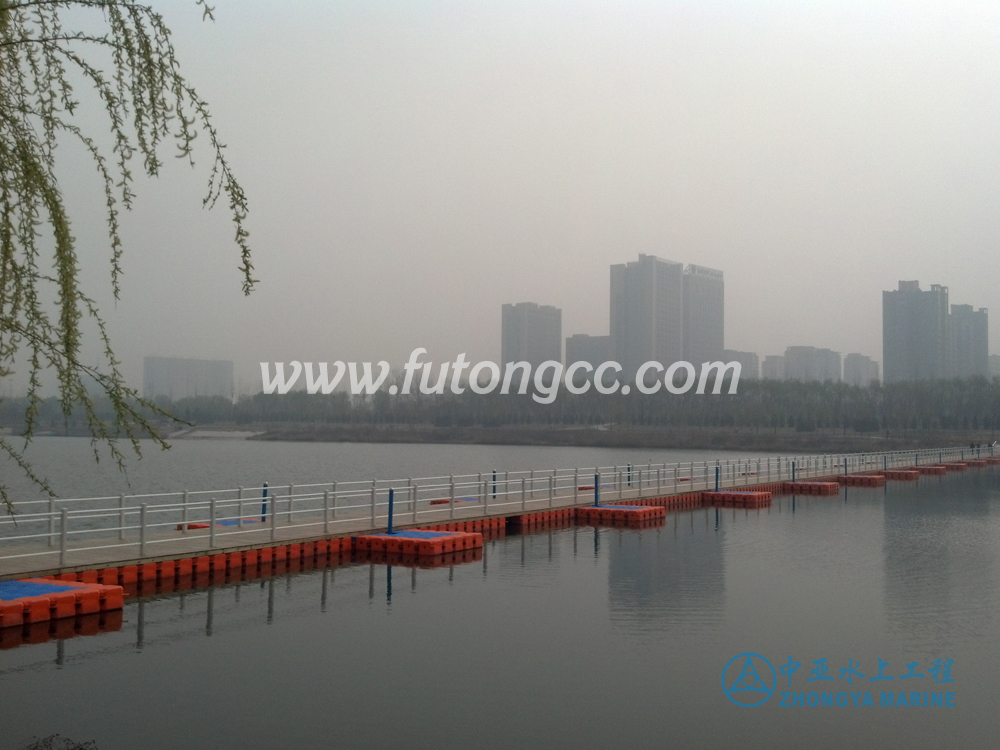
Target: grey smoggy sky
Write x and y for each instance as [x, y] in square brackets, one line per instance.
[413, 165]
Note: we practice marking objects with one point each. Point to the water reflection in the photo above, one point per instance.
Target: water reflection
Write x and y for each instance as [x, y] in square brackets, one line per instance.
[672, 577]
[941, 553]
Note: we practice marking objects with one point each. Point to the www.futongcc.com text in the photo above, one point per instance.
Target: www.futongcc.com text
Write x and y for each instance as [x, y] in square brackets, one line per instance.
[486, 377]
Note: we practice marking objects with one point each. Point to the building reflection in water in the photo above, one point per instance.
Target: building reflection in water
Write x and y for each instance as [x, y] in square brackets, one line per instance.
[668, 578]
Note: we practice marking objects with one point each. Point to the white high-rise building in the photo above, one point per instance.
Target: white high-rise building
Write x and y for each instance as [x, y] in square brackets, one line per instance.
[704, 308]
[860, 370]
[647, 312]
[749, 363]
[530, 333]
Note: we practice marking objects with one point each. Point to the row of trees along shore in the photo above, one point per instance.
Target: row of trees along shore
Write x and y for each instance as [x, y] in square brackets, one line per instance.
[972, 404]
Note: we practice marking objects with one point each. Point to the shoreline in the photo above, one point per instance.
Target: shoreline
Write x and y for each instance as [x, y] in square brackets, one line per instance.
[721, 438]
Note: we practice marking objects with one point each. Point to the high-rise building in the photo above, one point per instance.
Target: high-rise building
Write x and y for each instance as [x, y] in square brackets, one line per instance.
[773, 367]
[860, 370]
[530, 333]
[968, 342]
[749, 363]
[704, 306]
[178, 378]
[808, 364]
[647, 312]
[914, 333]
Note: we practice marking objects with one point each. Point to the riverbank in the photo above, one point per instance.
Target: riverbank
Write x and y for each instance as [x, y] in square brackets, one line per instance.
[720, 438]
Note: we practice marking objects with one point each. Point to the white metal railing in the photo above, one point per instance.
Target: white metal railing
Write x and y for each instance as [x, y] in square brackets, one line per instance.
[56, 532]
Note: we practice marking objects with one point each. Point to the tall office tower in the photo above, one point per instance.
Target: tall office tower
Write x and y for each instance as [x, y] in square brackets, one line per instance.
[914, 333]
[647, 312]
[178, 378]
[808, 364]
[773, 367]
[860, 370]
[749, 363]
[530, 333]
[704, 307]
[968, 342]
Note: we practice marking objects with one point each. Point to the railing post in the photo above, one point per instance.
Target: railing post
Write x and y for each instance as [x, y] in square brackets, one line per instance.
[142, 530]
[552, 487]
[374, 496]
[494, 484]
[597, 489]
[274, 513]
[326, 511]
[263, 504]
[121, 516]
[716, 478]
[291, 491]
[524, 493]
[63, 536]
[793, 471]
[413, 490]
[481, 488]
[389, 526]
[211, 522]
[451, 496]
[52, 521]
[576, 486]
[333, 496]
[239, 498]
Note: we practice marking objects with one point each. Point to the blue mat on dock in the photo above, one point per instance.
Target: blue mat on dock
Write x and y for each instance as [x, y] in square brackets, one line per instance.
[10, 590]
[418, 534]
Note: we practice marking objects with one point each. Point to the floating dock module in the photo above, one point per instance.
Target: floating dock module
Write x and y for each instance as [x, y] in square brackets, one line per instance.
[976, 462]
[902, 475]
[933, 470]
[733, 499]
[495, 526]
[444, 560]
[545, 519]
[416, 543]
[603, 514]
[40, 600]
[687, 501]
[812, 488]
[992, 460]
[862, 480]
[954, 466]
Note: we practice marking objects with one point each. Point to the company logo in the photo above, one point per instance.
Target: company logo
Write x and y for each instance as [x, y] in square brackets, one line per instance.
[748, 679]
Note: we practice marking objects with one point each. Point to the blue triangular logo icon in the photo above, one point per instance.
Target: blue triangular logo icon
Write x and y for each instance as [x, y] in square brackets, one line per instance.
[748, 680]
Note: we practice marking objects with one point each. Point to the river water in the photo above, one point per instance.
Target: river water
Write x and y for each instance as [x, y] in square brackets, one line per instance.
[572, 637]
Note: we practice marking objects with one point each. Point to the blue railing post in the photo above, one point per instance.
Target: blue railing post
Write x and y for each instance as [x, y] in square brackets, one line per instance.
[597, 490]
[793, 471]
[263, 505]
[716, 478]
[390, 511]
[495, 484]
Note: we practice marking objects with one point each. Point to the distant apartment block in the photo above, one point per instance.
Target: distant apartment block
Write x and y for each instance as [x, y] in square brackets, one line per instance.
[178, 378]
[773, 367]
[647, 312]
[530, 333]
[860, 370]
[968, 342]
[809, 364]
[749, 363]
[914, 332]
[665, 312]
[581, 347]
[924, 339]
[704, 307]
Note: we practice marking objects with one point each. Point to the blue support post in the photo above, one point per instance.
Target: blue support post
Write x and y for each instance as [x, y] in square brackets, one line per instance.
[390, 511]
[495, 484]
[716, 478]
[597, 490]
[845, 466]
[793, 471]
[263, 505]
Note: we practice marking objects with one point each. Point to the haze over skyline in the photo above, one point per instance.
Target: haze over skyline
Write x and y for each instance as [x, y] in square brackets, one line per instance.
[411, 167]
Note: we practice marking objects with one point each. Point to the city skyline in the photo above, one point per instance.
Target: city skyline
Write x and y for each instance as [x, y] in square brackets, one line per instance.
[746, 140]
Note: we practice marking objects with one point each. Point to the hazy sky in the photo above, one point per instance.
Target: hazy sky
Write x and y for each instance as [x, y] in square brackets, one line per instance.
[413, 165]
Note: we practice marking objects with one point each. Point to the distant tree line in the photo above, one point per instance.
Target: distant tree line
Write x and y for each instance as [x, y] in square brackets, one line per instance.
[972, 404]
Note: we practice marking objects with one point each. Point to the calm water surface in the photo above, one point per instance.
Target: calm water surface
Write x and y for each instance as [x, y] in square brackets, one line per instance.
[570, 638]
